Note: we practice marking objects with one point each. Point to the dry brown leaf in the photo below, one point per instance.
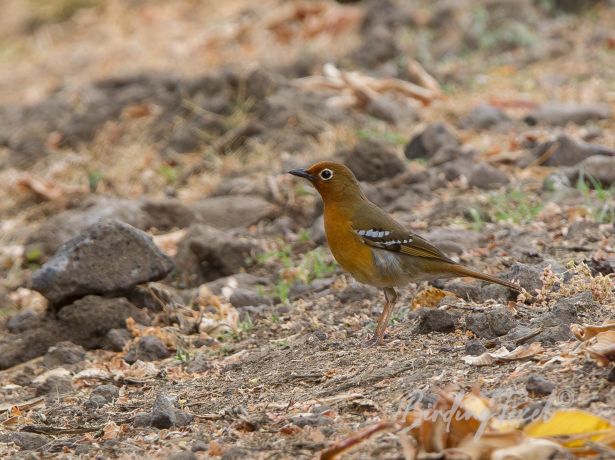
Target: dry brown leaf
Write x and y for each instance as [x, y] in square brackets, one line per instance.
[503, 355]
[586, 331]
[111, 431]
[602, 348]
[429, 297]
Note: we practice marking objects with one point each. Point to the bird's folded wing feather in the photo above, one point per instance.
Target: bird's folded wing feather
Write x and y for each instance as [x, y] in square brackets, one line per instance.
[379, 230]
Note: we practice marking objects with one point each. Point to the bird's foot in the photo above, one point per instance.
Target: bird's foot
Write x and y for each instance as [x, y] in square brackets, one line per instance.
[374, 341]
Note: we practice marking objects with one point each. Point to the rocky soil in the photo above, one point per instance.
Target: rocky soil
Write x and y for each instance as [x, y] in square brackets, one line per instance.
[166, 290]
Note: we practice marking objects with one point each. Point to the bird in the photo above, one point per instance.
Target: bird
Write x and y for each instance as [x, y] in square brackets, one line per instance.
[372, 246]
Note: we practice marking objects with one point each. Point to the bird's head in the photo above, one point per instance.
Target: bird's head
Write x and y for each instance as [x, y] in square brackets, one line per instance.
[334, 181]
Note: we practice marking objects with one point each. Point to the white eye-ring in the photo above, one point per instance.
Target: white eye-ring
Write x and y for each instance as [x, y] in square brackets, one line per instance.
[326, 174]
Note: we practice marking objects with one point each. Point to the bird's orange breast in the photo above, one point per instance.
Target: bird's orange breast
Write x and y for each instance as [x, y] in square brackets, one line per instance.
[346, 246]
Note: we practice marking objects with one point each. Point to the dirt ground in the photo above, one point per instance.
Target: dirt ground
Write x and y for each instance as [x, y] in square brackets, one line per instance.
[246, 340]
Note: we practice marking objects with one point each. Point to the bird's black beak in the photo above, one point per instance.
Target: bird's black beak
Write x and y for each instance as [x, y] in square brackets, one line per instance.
[302, 173]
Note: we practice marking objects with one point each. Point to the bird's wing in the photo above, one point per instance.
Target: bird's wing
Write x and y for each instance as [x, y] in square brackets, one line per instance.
[377, 229]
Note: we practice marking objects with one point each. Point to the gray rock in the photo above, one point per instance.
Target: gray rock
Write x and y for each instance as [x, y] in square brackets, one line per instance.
[527, 276]
[371, 161]
[463, 289]
[165, 415]
[491, 324]
[484, 116]
[356, 292]
[206, 254]
[433, 320]
[54, 385]
[90, 319]
[567, 310]
[199, 446]
[232, 211]
[246, 297]
[475, 348]
[537, 384]
[560, 114]
[141, 214]
[235, 453]
[200, 363]
[600, 168]
[182, 456]
[142, 419]
[25, 319]
[117, 339]
[486, 177]
[109, 392]
[148, 348]
[428, 142]
[109, 258]
[566, 151]
[377, 47]
[96, 402]
[63, 353]
[23, 440]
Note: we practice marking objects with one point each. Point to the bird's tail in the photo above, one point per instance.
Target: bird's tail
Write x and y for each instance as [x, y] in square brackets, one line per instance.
[464, 271]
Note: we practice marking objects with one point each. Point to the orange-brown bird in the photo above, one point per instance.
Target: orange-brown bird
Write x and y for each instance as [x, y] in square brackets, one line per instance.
[372, 246]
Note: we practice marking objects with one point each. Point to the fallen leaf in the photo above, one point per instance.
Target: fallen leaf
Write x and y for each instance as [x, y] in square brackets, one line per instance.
[574, 427]
[602, 348]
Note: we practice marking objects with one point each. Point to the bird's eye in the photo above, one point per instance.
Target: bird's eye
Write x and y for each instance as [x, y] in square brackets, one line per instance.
[326, 174]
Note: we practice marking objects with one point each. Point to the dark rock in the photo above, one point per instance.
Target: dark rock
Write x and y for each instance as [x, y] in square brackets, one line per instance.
[25, 319]
[560, 114]
[54, 385]
[235, 453]
[429, 141]
[199, 446]
[377, 47]
[566, 151]
[568, 309]
[109, 258]
[356, 292]
[455, 238]
[527, 276]
[583, 229]
[491, 324]
[148, 348]
[30, 344]
[23, 440]
[245, 297]
[206, 254]
[232, 211]
[537, 384]
[142, 214]
[310, 420]
[475, 348]
[553, 334]
[486, 177]
[432, 320]
[599, 168]
[199, 363]
[89, 320]
[484, 117]
[446, 154]
[117, 338]
[142, 419]
[109, 392]
[182, 456]
[96, 402]
[372, 161]
[165, 415]
[63, 353]
[463, 289]
[611, 375]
